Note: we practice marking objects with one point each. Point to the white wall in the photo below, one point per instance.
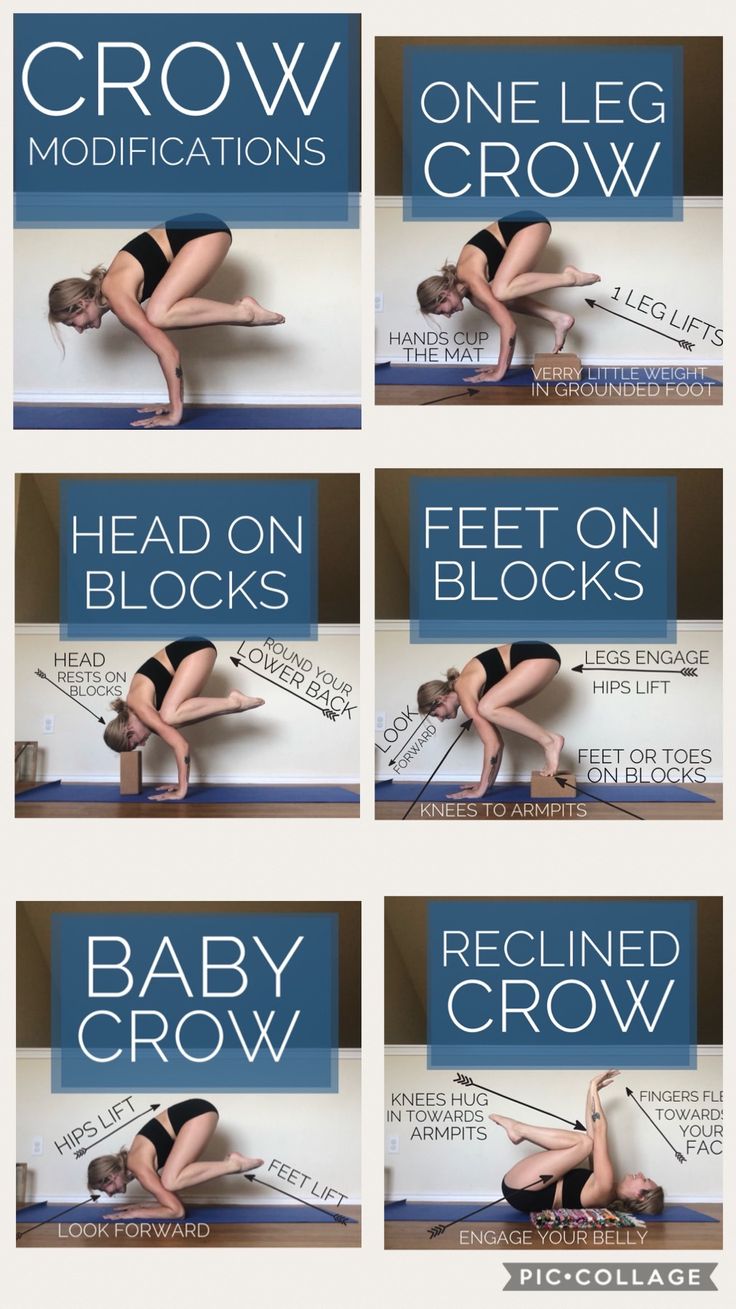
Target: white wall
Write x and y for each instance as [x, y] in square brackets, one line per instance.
[473, 1169]
[319, 1134]
[313, 277]
[688, 715]
[678, 263]
[283, 741]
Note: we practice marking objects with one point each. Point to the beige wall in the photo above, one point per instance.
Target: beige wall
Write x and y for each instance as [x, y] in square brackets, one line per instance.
[36, 555]
[33, 955]
[466, 1170]
[702, 96]
[319, 1134]
[699, 501]
[282, 742]
[677, 263]
[688, 715]
[37, 544]
[312, 277]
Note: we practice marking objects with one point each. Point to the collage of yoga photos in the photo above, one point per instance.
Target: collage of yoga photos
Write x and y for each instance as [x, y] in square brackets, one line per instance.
[256, 584]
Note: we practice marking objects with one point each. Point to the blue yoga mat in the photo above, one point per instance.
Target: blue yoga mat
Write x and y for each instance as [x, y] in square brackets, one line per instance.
[520, 793]
[202, 1213]
[403, 1211]
[196, 418]
[521, 375]
[86, 793]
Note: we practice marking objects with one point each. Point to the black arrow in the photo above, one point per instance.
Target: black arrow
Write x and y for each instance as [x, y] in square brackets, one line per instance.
[679, 1157]
[464, 728]
[328, 713]
[439, 1228]
[562, 783]
[391, 762]
[121, 1127]
[686, 345]
[337, 1218]
[464, 1080]
[617, 668]
[73, 698]
[93, 1197]
[471, 390]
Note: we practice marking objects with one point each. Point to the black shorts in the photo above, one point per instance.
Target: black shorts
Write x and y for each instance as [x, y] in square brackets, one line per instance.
[179, 1114]
[529, 1202]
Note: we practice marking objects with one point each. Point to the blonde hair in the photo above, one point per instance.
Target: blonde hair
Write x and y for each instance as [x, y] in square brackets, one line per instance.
[99, 1170]
[435, 288]
[116, 733]
[430, 692]
[648, 1202]
[67, 297]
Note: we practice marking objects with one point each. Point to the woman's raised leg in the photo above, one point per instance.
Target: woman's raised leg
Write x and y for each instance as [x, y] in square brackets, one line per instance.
[184, 1168]
[174, 303]
[183, 703]
[515, 275]
[560, 1151]
[522, 683]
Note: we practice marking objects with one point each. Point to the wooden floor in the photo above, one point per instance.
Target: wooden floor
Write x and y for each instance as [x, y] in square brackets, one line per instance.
[263, 1236]
[180, 809]
[579, 812]
[446, 396]
[513, 1237]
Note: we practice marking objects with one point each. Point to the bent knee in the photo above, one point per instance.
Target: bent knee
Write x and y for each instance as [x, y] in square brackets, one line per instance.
[502, 292]
[168, 714]
[169, 1177]
[586, 1144]
[156, 314]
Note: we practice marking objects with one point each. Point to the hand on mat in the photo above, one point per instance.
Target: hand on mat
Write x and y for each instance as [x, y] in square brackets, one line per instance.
[127, 1211]
[468, 793]
[487, 375]
[169, 793]
[162, 416]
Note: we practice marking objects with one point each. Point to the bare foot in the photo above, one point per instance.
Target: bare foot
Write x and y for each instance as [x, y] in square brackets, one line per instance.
[579, 278]
[509, 1127]
[243, 702]
[562, 324]
[242, 1163]
[552, 752]
[254, 315]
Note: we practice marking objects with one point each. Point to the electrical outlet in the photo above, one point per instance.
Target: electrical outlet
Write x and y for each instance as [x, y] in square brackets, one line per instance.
[378, 302]
[380, 721]
[393, 1145]
[37, 1145]
[48, 724]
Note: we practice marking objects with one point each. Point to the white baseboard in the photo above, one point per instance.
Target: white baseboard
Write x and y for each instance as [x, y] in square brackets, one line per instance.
[214, 779]
[590, 361]
[453, 1197]
[138, 398]
[517, 778]
[189, 1198]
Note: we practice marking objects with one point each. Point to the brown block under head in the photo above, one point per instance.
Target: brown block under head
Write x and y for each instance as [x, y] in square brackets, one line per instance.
[131, 773]
[557, 368]
[549, 788]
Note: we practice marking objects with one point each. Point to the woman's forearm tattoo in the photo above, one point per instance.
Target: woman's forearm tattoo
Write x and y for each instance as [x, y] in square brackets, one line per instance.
[180, 375]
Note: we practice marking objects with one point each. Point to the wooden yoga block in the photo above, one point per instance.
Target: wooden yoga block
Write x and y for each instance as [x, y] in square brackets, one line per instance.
[131, 773]
[549, 788]
[557, 368]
